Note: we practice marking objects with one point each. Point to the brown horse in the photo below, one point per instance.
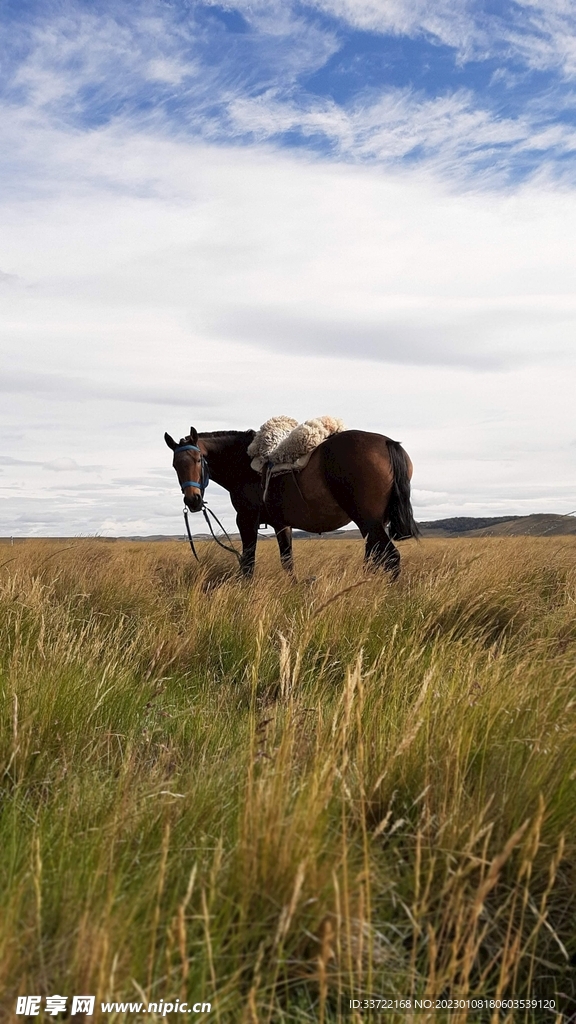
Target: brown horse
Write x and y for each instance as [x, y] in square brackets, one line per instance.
[352, 476]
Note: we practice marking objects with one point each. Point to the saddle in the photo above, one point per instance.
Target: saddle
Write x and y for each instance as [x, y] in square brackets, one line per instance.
[282, 445]
[287, 445]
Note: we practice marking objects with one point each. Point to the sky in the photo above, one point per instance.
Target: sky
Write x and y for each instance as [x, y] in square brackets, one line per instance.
[211, 214]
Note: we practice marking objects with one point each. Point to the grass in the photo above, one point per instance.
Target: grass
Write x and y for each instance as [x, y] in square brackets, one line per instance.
[279, 797]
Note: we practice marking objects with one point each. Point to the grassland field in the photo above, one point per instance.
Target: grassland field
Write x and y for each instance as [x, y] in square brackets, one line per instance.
[279, 797]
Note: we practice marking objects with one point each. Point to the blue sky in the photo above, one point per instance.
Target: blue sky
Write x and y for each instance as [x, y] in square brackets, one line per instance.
[487, 86]
[266, 201]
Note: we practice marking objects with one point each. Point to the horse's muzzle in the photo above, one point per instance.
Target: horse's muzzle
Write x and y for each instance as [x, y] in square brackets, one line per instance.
[194, 502]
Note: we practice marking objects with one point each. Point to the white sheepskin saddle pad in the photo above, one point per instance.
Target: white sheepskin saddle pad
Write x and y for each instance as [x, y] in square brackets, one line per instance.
[289, 444]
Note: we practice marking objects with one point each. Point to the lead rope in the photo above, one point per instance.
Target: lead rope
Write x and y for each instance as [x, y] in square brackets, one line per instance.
[231, 549]
[190, 538]
[205, 511]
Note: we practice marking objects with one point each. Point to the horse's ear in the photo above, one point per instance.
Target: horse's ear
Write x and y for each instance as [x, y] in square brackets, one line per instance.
[170, 441]
[193, 435]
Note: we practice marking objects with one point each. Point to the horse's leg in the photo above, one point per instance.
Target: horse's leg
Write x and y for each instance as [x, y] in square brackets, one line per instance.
[366, 507]
[284, 538]
[380, 552]
[248, 526]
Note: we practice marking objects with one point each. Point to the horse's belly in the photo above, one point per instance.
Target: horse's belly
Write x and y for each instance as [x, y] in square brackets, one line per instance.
[323, 523]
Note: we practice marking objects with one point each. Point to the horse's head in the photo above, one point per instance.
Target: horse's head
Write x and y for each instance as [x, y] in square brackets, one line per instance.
[191, 467]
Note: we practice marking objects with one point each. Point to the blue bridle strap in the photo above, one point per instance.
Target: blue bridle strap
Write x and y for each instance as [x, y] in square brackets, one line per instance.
[200, 484]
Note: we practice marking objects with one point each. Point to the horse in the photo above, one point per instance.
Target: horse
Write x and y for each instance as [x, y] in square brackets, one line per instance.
[353, 476]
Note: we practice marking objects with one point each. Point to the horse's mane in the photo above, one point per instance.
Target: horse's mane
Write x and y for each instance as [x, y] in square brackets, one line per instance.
[226, 433]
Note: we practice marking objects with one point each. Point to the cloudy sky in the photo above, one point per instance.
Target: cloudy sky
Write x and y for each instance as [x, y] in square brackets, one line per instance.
[215, 213]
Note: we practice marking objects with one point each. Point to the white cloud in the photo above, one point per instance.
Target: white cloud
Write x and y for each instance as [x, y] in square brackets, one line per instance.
[218, 285]
[82, 64]
[275, 250]
[451, 133]
[169, 70]
[539, 34]
[155, 70]
[423, 498]
[543, 35]
[7, 279]
[68, 388]
[64, 465]
[450, 21]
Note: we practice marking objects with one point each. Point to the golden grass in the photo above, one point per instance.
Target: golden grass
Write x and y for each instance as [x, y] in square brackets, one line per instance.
[279, 797]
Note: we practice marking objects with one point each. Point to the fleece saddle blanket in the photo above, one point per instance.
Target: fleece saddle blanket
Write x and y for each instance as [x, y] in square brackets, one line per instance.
[288, 444]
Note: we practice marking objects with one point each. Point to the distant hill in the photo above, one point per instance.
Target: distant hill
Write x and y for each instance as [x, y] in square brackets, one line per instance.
[541, 524]
[464, 524]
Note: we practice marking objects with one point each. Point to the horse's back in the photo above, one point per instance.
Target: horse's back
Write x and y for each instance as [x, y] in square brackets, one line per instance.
[358, 469]
[355, 454]
[358, 443]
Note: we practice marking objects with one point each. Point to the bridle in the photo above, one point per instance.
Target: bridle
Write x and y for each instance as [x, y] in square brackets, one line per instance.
[202, 484]
[204, 472]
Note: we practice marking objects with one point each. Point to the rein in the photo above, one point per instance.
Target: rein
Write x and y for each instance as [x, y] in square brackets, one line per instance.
[206, 512]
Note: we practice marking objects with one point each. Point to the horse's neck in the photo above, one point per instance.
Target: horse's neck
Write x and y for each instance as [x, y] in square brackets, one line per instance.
[227, 460]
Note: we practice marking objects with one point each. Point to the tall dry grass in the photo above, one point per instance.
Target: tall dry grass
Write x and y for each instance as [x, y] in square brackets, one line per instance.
[278, 797]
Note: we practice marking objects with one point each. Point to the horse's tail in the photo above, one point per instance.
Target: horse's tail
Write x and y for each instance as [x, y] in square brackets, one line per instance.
[401, 522]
